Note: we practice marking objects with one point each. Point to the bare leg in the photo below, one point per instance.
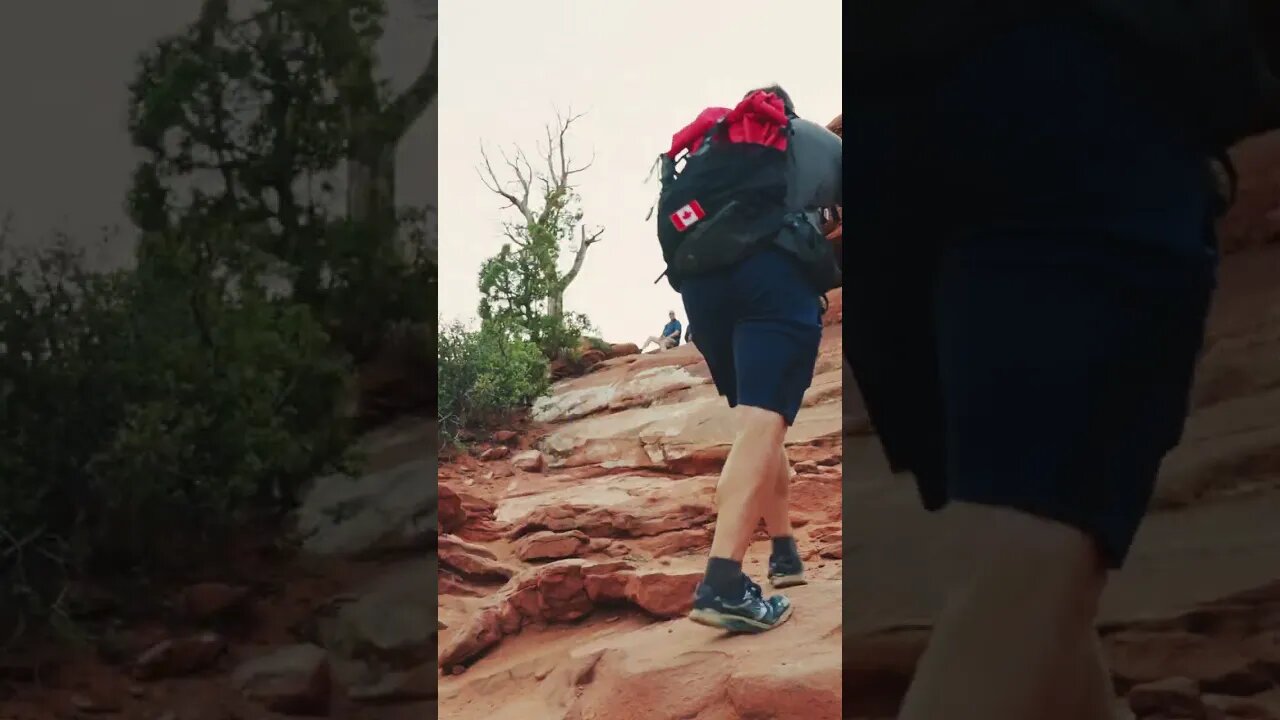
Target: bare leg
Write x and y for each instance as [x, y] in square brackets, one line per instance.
[749, 471]
[777, 507]
[726, 598]
[1089, 692]
[997, 649]
[786, 569]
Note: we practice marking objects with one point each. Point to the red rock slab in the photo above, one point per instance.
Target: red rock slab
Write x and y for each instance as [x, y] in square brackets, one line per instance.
[564, 591]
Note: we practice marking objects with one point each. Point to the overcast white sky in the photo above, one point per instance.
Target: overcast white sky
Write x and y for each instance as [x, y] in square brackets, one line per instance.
[65, 66]
[641, 70]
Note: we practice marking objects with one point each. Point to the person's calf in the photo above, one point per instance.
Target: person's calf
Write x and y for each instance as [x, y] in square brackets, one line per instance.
[997, 653]
[1088, 692]
[747, 473]
[785, 566]
[776, 507]
[747, 477]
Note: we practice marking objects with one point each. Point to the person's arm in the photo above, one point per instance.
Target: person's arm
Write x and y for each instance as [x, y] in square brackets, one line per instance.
[819, 156]
[837, 128]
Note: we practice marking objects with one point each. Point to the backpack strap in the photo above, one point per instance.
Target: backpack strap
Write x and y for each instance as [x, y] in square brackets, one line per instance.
[667, 161]
[709, 137]
[666, 169]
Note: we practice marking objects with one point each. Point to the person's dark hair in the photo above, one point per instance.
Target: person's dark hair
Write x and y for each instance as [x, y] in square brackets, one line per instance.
[788, 106]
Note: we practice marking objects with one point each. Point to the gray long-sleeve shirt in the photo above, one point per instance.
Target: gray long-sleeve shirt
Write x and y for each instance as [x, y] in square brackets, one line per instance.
[817, 169]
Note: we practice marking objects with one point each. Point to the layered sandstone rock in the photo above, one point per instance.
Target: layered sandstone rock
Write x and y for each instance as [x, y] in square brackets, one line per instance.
[607, 518]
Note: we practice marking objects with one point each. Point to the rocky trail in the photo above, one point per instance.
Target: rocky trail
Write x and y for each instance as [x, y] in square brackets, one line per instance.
[343, 627]
[569, 552]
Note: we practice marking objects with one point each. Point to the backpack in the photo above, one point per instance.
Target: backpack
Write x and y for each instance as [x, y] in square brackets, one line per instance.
[723, 195]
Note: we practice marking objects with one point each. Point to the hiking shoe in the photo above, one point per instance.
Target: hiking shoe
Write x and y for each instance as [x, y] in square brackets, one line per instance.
[751, 613]
[786, 571]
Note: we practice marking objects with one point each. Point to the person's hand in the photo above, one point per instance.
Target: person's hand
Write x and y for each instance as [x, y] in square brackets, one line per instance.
[831, 219]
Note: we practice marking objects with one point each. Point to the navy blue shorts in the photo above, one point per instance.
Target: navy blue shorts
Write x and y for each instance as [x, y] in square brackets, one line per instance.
[759, 324]
[1028, 268]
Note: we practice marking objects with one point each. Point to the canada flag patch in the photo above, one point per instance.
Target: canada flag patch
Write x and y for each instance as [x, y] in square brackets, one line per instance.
[687, 215]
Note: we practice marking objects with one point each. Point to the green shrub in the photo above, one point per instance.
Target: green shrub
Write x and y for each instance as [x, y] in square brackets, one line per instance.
[599, 343]
[367, 289]
[147, 406]
[564, 337]
[485, 375]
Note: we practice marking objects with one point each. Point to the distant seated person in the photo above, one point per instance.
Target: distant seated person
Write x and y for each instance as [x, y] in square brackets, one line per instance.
[670, 334]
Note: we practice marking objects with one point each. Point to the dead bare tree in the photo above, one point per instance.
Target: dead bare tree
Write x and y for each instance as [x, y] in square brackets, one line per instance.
[542, 215]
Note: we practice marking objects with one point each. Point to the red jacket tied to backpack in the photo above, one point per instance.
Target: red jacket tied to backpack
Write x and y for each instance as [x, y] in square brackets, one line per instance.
[760, 119]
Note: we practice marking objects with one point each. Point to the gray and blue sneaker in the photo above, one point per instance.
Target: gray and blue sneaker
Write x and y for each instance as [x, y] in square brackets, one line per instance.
[752, 613]
[786, 571]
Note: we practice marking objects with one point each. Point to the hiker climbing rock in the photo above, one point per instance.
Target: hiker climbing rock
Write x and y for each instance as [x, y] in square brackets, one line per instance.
[1026, 347]
[738, 221]
[670, 336]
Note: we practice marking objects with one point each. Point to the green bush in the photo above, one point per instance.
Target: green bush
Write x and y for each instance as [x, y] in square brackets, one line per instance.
[363, 289]
[149, 413]
[564, 338]
[146, 406]
[485, 375]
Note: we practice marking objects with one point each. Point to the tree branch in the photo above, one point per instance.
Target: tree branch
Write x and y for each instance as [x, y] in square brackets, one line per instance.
[557, 157]
[580, 256]
[510, 235]
[409, 105]
[524, 176]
